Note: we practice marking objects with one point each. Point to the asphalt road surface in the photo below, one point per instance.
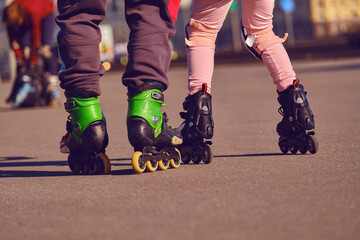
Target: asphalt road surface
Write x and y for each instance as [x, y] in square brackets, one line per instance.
[250, 190]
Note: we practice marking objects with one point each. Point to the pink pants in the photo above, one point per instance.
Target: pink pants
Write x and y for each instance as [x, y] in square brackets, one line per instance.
[256, 15]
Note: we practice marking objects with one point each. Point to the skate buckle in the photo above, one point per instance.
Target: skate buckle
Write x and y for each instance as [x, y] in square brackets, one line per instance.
[155, 119]
[69, 105]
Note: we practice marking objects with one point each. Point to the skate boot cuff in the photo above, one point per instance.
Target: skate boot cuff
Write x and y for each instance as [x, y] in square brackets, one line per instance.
[149, 85]
[83, 112]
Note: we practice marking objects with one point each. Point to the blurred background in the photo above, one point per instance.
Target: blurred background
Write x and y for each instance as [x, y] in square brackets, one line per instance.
[316, 28]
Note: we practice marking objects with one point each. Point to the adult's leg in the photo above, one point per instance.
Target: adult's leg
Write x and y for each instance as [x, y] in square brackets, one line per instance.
[151, 26]
[78, 44]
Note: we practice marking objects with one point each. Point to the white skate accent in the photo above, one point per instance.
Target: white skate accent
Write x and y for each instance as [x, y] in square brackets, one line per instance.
[64, 149]
[205, 108]
[299, 100]
[250, 40]
[176, 141]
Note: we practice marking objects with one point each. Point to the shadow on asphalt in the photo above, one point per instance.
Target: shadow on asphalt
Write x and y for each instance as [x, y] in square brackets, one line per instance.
[24, 173]
[23, 161]
[328, 68]
[18, 161]
[250, 155]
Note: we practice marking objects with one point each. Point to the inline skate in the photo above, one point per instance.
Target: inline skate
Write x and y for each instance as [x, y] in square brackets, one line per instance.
[86, 137]
[153, 139]
[296, 128]
[198, 128]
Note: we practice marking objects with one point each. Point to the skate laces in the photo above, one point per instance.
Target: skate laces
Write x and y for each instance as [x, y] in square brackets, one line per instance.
[68, 124]
[281, 111]
[166, 119]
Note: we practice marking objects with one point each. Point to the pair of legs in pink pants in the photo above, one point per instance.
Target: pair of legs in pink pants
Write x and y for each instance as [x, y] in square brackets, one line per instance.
[207, 18]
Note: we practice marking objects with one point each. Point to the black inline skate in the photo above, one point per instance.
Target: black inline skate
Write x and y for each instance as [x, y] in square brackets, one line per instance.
[198, 128]
[86, 137]
[153, 139]
[295, 129]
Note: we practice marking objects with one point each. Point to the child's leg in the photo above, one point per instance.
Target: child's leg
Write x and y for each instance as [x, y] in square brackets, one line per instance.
[207, 18]
[257, 21]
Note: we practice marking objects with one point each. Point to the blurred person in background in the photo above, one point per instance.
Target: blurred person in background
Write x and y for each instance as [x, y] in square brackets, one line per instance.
[30, 25]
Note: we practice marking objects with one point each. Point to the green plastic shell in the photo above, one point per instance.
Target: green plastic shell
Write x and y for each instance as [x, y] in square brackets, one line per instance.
[144, 105]
[84, 112]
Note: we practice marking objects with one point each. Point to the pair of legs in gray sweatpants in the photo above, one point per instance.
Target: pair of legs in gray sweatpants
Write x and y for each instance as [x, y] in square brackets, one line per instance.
[151, 26]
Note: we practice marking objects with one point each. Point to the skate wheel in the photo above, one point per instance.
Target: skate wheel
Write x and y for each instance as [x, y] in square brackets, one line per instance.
[152, 166]
[137, 162]
[176, 161]
[207, 154]
[283, 147]
[294, 149]
[196, 158]
[164, 164]
[86, 169]
[74, 163]
[185, 158]
[303, 149]
[313, 144]
[102, 164]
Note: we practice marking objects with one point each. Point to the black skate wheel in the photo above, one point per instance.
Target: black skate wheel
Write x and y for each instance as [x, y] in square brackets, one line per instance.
[313, 144]
[196, 158]
[185, 157]
[282, 145]
[303, 149]
[151, 166]
[164, 164]
[176, 161]
[284, 148]
[137, 162]
[207, 154]
[294, 149]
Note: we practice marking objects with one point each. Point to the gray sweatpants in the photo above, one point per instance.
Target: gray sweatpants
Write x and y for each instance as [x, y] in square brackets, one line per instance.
[151, 24]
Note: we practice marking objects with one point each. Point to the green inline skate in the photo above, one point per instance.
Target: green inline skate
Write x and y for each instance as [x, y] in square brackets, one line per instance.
[86, 137]
[153, 139]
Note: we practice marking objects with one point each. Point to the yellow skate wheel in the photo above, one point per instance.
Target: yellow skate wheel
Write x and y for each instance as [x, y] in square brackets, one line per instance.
[103, 165]
[86, 169]
[176, 161]
[73, 163]
[164, 164]
[152, 166]
[137, 163]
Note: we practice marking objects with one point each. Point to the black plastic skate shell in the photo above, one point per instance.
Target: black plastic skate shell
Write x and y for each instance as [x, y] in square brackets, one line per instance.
[296, 129]
[89, 156]
[197, 129]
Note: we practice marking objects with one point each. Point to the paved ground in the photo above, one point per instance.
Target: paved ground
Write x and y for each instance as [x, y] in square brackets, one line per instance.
[250, 191]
